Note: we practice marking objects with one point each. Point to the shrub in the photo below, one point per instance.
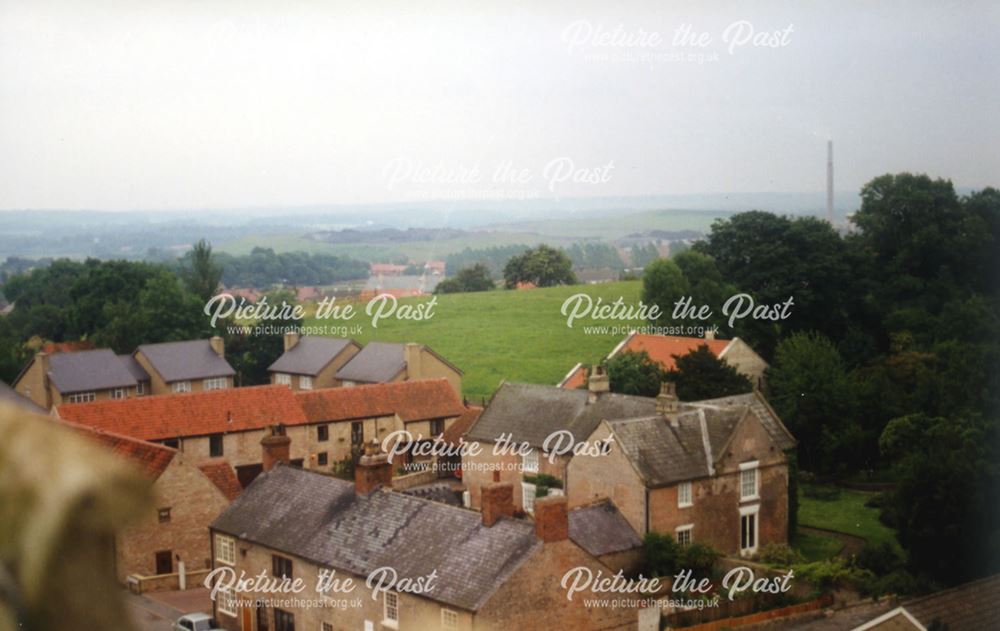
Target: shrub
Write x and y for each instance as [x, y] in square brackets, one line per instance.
[779, 554]
[698, 557]
[834, 573]
[544, 480]
[876, 501]
[882, 559]
[659, 555]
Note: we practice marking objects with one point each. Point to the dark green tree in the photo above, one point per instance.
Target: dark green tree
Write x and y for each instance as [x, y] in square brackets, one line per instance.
[542, 266]
[474, 278]
[202, 273]
[635, 373]
[663, 283]
[701, 375]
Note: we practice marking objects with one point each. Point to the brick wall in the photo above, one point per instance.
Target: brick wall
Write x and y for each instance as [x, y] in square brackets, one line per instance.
[477, 471]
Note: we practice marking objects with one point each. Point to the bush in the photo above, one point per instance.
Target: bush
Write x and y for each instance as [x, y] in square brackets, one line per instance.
[881, 559]
[779, 554]
[876, 501]
[544, 480]
[659, 555]
[698, 557]
[835, 573]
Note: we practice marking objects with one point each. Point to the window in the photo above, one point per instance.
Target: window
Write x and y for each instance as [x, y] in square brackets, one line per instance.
[322, 433]
[164, 562]
[227, 601]
[449, 619]
[357, 433]
[529, 462]
[82, 397]
[281, 566]
[215, 383]
[684, 495]
[282, 379]
[283, 620]
[215, 445]
[322, 459]
[437, 427]
[684, 535]
[140, 389]
[181, 386]
[390, 609]
[305, 382]
[748, 529]
[173, 443]
[225, 549]
[119, 393]
[163, 515]
[748, 481]
[528, 497]
[325, 626]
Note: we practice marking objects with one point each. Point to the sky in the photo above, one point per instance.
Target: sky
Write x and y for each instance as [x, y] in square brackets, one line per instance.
[178, 105]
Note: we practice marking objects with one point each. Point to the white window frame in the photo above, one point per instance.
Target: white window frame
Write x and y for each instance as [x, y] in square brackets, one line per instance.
[119, 393]
[744, 512]
[225, 549]
[214, 383]
[689, 530]
[282, 379]
[528, 504]
[449, 619]
[83, 397]
[227, 601]
[685, 495]
[178, 387]
[529, 462]
[305, 382]
[747, 469]
[387, 621]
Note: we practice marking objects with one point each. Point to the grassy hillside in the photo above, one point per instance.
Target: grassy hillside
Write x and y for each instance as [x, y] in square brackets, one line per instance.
[513, 335]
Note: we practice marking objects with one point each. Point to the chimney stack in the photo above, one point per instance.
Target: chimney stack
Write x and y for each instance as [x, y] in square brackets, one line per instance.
[667, 403]
[497, 501]
[372, 470]
[551, 520]
[276, 447]
[829, 181]
[291, 339]
[710, 334]
[218, 345]
[598, 383]
[411, 355]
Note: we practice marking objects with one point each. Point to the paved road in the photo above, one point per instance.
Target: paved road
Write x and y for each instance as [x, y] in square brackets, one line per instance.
[149, 615]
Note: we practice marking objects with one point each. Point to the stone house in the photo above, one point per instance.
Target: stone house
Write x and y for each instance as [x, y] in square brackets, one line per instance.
[456, 569]
[714, 471]
[384, 362]
[188, 496]
[189, 366]
[312, 362]
[52, 378]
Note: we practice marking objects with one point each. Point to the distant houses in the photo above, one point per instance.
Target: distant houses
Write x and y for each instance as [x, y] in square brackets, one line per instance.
[312, 362]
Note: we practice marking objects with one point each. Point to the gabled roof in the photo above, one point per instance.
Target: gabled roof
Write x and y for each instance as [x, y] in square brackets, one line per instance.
[782, 438]
[418, 400]
[183, 361]
[321, 519]
[529, 413]
[219, 471]
[457, 430]
[168, 416]
[376, 362]
[662, 348]
[575, 378]
[974, 605]
[134, 367]
[600, 529]
[310, 355]
[10, 395]
[86, 371]
[151, 458]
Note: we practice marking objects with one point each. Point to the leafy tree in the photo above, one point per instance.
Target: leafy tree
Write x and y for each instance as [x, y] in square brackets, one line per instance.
[663, 283]
[635, 373]
[659, 555]
[701, 375]
[203, 274]
[474, 278]
[542, 266]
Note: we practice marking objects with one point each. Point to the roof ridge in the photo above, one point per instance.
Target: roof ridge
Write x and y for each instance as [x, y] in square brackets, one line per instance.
[177, 395]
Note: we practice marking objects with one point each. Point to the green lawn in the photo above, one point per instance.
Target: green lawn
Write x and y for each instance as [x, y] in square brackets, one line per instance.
[844, 513]
[513, 335]
[814, 547]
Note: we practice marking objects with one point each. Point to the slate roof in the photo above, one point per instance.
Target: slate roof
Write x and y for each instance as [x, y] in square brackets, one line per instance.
[418, 400]
[320, 518]
[310, 355]
[600, 529]
[222, 475]
[530, 413]
[183, 361]
[150, 458]
[134, 367]
[10, 395]
[167, 416]
[761, 409]
[967, 607]
[86, 371]
[376, 362]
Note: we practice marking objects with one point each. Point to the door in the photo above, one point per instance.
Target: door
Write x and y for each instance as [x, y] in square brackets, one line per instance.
[748, 533]
[247, 619]
[164, 562]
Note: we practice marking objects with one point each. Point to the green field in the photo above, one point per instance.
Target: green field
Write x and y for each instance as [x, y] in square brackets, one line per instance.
[844, 513]
[513, 335]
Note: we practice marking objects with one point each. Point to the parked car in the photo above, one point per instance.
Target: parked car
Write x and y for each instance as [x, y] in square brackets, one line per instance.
[196, 622]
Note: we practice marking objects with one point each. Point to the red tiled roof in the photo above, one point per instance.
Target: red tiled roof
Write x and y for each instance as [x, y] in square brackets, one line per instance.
[387, 268]
[193, 414]
[67, 347]
[411, 400]
[303, 294]
[461, 425]
[577, 378]
[151, 458]
[222, 475]
[662, 348]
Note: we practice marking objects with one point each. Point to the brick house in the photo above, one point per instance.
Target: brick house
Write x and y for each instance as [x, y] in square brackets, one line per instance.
[312, 362]
[529, 414]
[384, 362]
[52, 378]
[662, 348]
[714, 471]
[189, 366]
[490, 571]
[188, 496]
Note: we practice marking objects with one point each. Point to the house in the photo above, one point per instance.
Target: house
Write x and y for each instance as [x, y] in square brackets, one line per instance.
[714, 471]
[382, 362]
[188, 497]
[435, 267]
[188, 366]
[401, 286]
[387, 269]
[248, 294]
[308, 294]
[662, 348]
[12, 396]
[538, 416]
[601, 530]
[52, 378]
[312, 361]
[465, 570]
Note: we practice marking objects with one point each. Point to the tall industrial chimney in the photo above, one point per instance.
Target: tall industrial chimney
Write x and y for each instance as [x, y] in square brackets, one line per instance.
[829, 181]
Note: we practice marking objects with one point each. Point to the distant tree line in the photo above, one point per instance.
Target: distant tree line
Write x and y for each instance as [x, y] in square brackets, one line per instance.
[264, 268]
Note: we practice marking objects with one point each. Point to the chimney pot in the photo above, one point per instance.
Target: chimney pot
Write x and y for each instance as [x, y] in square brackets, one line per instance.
[291, 339]
[551, 519]
[598, 383]
[218, 345]
[497, 502]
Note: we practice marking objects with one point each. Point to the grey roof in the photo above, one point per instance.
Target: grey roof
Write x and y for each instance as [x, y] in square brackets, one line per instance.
[134, 367]
[529, 413]
[86, 371]
[601, 529]
[426, 283]
[10, 395]
[377, 362]
[762, 410]
[321, 519]
[182, 361]
[310, 355]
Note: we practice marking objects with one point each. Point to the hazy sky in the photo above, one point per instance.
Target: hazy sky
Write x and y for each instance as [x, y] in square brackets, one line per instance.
[146, 105]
